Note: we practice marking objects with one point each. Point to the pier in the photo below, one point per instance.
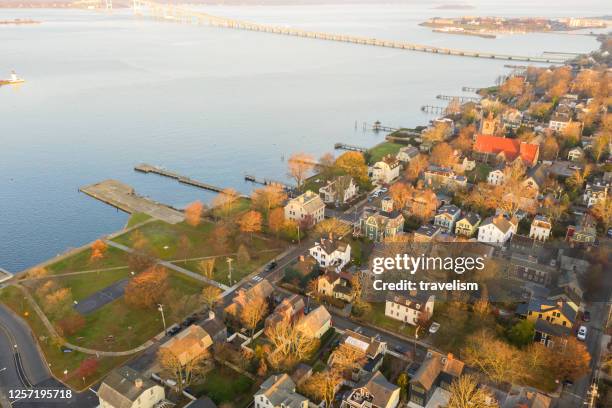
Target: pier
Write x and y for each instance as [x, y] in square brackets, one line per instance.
[183, 15]
[147, 168]
[124, 198]
[433, 109]
[344, 146]
[268, 182]
[461, 99]
[379, 126]
[469, 89]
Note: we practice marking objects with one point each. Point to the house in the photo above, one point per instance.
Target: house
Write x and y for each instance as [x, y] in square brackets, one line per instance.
[380, 225]
[385, 170]
[373, 392]
[125, 387]
[306, 207]
[336, 285]
[540, 228]
[446, 217]
[467, 225]
[522, 397]
[584, 232]
[290, 309]
[407, 153]
[595, 192]
[426, 233]
[535, 179]
[559, 121]
[331, 252]
[496, 176]
[527, 267]
[443, 177]
[316, 323]
[505, 149]
[490, 125]
[189, 344]
[512, 118]
[409, 307]
[437, 371]
[497, 229]
[340, 190]
[262, 289]
[575, 154]
[371, 347]
[557, 313]
[215, 328]
[202, 402]
[278, 391]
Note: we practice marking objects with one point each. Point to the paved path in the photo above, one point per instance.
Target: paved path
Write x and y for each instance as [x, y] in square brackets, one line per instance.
[174, 267]
[102, 297]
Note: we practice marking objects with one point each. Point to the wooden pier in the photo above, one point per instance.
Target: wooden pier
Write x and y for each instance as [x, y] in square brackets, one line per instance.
[267, 182]
[470, 89]
[147, 168]
[344, 146]
[461, 99]
[433, 109]
[379, 126]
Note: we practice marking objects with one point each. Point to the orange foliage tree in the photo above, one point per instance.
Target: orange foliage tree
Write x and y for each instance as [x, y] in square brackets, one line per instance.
[300, 165]
[250, 222]
[193, 213]
[147, 289]
[268, 197]
[276, 220]
[98, 250]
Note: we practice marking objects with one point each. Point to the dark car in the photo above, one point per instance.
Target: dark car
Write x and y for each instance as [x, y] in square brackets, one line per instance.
[586, 316]
[271, 266]
[172, 330]
[188, 321]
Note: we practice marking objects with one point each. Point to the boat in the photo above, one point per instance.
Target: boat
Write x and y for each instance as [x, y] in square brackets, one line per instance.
[14, 79]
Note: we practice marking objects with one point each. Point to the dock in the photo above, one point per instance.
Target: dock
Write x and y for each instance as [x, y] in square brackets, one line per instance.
[379, 126]
[344, 146]
[147, 168]
[267, 182]
[433, 109]
[469, 89]
[124, 198]
[462, 99]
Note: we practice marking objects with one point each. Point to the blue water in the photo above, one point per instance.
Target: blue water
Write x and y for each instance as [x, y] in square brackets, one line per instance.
[106, 92]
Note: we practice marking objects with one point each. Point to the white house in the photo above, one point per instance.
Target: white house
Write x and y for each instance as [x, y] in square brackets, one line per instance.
[308, 205]
[340, 190]
[375, 391]
[595, 192]
[497, 230]
[540, 228]
[496, 177]
[316, 323]
[409, 307]
[446, 217]
[575, 154]
[278, 391]
[125, 387]
[330, 252]
[385, 171]
[559, 122]
[407, 153]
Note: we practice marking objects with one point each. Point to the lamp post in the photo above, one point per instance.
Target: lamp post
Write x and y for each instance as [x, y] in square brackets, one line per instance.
[229, 270]
[160, 307]
[416, 337]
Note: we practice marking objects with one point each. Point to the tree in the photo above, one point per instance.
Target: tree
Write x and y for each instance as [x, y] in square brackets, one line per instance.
[243, 256]
[403, 381]
[37, 273]
[326, 165]
[346, 358]
[268, 197]
[98, 250]
[416, 167]
[224, 201]
[437, 133]
[550, 148]
[276, 220]
[146, 289]
[71, 324]
[87, 367]
[578, 178]
[207, 267]
[210, 296]
[601, 144]
[291, 345]
[193, 213]
[59, 302]
[401, 194]
[512, 87]
[353, 164]
[332, 226]
[424, 204]
[250, 222]
[184, 370]
[300, 165]
[183, 247]
[443, 155]
[602, 210]
[571, 133]
[465, 393]
[253, 312]
[465, 139]
[220, 236]
[521, 334]
[571, 361]
[322, 386]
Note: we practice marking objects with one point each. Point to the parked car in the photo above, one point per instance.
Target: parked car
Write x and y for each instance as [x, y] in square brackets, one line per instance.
[586, 316]
[172, 330]
[188, 321]
[434, 327]
[271, 266]
[399, 349]
[384, 190]
[582, 333]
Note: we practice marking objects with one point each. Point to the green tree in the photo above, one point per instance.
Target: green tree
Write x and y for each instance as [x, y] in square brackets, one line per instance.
[521, 334]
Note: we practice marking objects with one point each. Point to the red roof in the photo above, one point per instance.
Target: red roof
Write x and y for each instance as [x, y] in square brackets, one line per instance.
[512, 148]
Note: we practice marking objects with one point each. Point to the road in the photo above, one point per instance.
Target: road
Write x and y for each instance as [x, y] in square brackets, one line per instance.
[22, 366]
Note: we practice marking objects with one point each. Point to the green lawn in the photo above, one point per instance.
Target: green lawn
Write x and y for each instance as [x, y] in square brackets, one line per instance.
[226, 386]
[383, 149]
[480, 173]
[81, 261]
[377, 318]
[136, 219]
[241, 205]
[84, 285]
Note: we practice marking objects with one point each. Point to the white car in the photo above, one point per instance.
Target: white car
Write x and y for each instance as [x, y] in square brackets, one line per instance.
[434, 327]
[582, 333]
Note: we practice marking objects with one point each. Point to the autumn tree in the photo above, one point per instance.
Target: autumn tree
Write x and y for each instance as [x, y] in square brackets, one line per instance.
[220, 238]
[183, 367]
[326, 165]
[321, 386]
[425, 207]
[183, 247]
[416, 166]
[207, 267]
[436, 133]
[601, 144]
[353, 164]
[550, 148]
[37, 273]
[210, 296]
[243, 256]
[250, 222]
[268, 197]
[571, 360]
[465, 139]
[571, 133]
[333, 227]
[512, 87]
[142, 255]
[193, 213]
[602, 210]
[578, 178]
[465, 393]
[253, 312]
[146, 289]
[276, 220]
[300, 165]
[98, 250]
[225, 200]
[443, 155]
[401, 194]
[345, 358]
[59, 302]
[291, 344]
[71, 324]
[87, 367]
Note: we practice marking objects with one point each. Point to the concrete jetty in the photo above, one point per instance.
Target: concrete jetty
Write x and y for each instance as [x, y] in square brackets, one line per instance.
[123, 197]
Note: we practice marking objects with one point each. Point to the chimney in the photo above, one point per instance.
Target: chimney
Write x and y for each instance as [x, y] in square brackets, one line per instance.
[450, 356]
[302, 258]
[138, 383]
[331, 236]
[211, 315]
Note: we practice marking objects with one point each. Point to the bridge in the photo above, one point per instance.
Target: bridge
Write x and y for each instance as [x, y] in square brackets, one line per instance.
[181, 14]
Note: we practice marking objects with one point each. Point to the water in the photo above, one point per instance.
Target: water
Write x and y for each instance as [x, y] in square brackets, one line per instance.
[104, 93]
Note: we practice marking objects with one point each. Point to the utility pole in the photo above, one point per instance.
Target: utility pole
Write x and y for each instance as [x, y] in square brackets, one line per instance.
[229, 269]
[160, 307]
[592, 395]
[416, 337]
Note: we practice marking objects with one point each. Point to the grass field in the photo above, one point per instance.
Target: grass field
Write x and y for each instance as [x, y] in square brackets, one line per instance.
[383, 149]
[81, 261]
[137, 218]
[226, 386]
[377, 318]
